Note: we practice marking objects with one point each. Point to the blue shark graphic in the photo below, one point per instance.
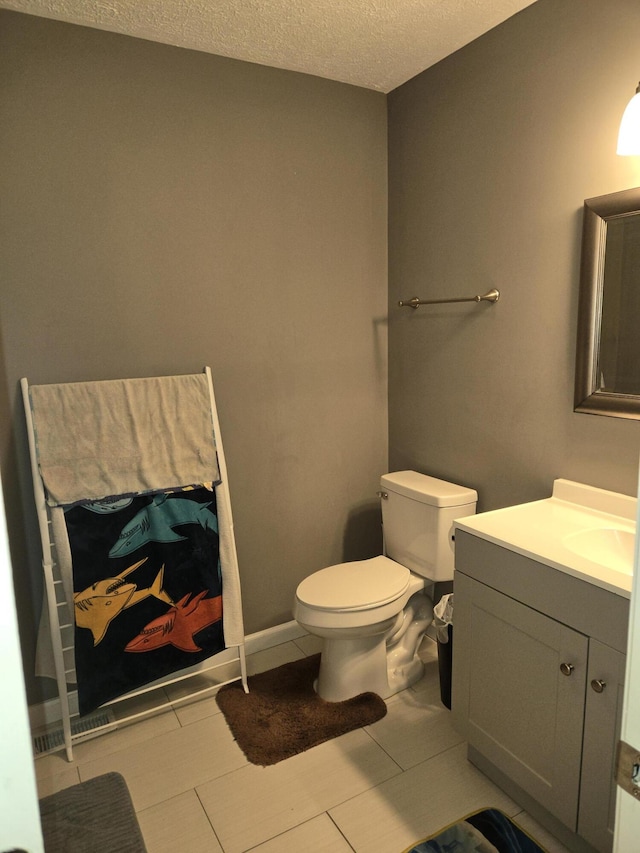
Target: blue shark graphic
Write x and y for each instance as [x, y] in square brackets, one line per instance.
[156, 521]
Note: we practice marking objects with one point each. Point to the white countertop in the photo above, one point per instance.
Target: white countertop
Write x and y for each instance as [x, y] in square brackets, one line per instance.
[580, 530]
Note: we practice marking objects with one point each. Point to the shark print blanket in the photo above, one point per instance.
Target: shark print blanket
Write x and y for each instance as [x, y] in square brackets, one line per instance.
[147, 590]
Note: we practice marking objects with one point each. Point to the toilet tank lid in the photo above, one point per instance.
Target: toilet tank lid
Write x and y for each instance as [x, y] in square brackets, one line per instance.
[426, 489]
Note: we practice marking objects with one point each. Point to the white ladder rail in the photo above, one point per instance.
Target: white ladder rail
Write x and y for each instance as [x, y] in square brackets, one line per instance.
[47, 567]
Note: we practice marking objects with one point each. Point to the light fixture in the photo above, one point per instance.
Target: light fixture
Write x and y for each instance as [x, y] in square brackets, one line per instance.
[629, 135]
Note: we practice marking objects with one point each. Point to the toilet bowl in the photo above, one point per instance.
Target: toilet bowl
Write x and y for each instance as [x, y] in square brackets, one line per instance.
[372, 614]
[355, 608]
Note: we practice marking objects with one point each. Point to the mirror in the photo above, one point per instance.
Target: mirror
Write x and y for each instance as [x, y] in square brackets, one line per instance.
[608, 352]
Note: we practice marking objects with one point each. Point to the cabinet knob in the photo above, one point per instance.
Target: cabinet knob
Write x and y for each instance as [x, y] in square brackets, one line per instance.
[566, 668]
[598, 685]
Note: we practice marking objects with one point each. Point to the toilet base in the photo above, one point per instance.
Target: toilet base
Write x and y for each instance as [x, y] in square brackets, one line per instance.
[349, 667]
[385, 661]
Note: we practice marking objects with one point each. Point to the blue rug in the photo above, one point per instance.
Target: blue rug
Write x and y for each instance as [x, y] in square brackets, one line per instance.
[486, 831]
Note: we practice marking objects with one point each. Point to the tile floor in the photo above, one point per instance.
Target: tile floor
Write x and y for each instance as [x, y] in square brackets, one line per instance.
[374, 790]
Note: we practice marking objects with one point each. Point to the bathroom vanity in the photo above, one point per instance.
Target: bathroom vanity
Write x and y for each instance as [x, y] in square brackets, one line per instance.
[540, 620]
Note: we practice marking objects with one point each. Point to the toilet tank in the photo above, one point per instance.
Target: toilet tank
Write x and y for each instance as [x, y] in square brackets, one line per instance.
[418, 512]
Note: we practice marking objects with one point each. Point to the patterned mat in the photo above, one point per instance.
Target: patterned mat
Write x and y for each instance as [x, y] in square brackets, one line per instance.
[485, 831]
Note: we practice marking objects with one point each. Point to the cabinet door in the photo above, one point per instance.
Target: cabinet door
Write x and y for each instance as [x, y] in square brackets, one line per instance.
[510, 697]
[602, 722]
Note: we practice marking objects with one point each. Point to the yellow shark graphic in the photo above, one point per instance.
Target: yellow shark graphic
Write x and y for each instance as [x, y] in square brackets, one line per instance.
[99, 604]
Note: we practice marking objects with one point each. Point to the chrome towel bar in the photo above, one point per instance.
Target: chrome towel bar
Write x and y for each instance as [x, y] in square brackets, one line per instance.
[489, 296]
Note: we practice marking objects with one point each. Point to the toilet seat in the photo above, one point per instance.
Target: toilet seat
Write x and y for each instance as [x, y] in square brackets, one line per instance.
[355, 586]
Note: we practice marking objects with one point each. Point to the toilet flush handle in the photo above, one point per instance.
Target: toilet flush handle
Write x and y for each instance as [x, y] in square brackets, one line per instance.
[383, 495]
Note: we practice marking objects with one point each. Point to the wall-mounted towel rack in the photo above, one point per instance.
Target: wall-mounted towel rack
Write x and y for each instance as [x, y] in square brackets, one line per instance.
[490, 296]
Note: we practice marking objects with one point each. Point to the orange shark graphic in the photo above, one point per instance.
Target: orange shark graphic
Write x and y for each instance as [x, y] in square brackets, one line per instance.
[178, 626]
[99, 604]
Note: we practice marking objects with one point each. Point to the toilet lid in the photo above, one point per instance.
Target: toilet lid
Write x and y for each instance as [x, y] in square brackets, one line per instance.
[359, 585]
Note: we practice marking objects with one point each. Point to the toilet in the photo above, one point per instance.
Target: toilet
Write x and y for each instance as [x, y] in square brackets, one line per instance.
[372, 614]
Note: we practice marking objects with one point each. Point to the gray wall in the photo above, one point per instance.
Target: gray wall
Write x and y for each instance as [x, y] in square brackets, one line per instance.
[491, 155]
[164, 209]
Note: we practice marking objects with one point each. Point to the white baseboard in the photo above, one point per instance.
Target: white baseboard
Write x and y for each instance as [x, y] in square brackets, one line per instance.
[270, 637]
[46, 714]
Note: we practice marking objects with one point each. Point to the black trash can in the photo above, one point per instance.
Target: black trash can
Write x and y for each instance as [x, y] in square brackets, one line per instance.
[443, 618]
[445, 667]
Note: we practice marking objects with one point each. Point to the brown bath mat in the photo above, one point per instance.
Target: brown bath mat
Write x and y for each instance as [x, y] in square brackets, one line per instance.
[282, 715]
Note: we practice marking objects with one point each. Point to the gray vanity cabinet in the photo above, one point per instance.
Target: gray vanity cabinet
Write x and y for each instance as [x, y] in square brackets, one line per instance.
[602, 723]
[529, 642]
[519, 711]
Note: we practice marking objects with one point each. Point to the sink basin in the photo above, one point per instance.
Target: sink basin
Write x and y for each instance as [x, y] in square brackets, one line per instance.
[607, 546]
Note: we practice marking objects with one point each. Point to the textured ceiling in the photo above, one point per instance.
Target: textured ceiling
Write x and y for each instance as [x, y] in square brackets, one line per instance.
[377, 44]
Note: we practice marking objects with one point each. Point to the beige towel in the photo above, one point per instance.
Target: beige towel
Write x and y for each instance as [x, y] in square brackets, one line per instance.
[125, 436]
